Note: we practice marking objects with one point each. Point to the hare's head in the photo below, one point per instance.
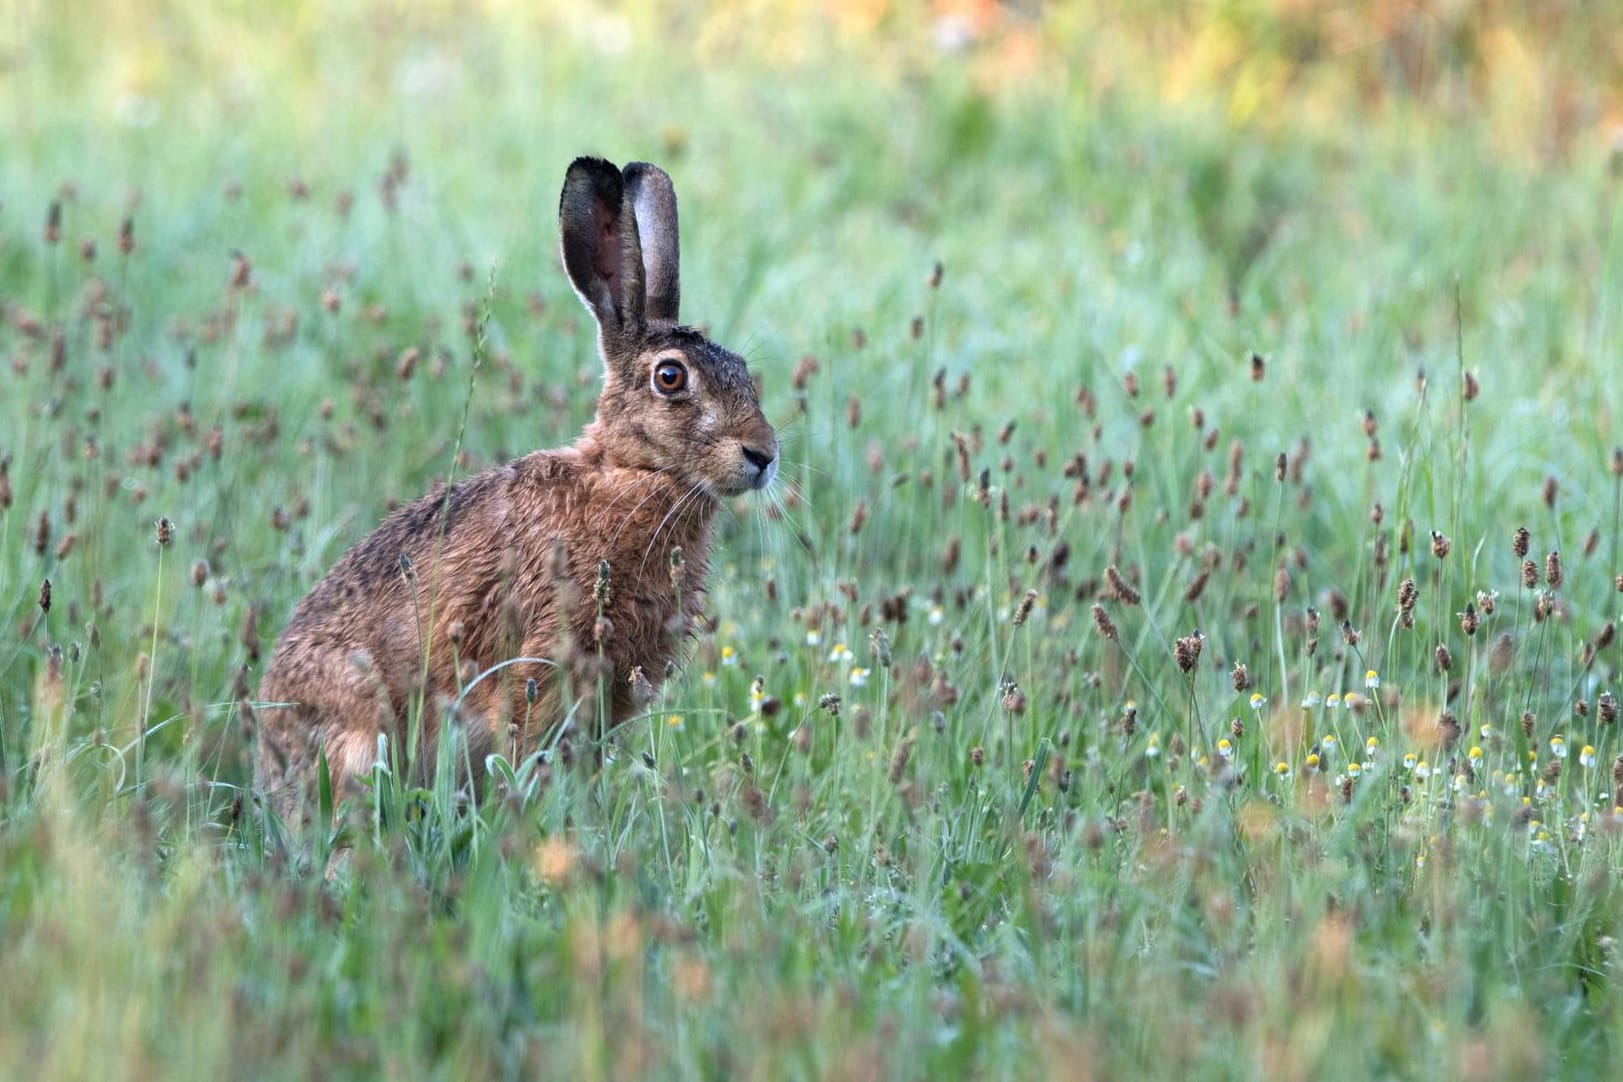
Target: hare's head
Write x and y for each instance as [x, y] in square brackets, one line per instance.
[672, 401]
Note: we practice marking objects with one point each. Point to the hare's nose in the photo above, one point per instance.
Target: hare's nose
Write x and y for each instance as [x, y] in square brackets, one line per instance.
[765, 463]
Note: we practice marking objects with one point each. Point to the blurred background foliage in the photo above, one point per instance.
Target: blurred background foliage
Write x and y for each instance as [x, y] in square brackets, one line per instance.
[1543, 76]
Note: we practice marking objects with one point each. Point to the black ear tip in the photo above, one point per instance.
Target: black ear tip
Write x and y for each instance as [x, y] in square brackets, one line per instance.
[591, 164]
[591, 179]
[647, 168]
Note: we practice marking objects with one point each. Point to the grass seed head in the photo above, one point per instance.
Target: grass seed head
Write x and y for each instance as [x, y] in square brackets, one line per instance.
[1023, 612]
[1186, 651]
[1552, 569]
[899, 759]
[1118, 588]
[1102, 621]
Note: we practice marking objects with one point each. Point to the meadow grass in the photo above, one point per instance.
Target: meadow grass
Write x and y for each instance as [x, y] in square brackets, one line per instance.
[1137, 672]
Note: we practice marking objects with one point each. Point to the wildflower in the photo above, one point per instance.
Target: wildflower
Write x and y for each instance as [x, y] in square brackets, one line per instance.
[841, 652]
[813, 637]
[1586, 757]
[1225, 748]
[757, 694]
[1327, 743]
[1282, 769]
[1511, 783]
[1332, 700]
[1313, 700]
[937, 614]
[1410, 760]
[674, 722]
[1312, 761]
[1372, 746]
[729, 656]
[1354, 769]
[859, 677]
[1372, 680]
[1422, 770]
[1475, 755]
[1258, 700]
[1486, 731]
[1152, 747]
[709, 678]
[1558, 746]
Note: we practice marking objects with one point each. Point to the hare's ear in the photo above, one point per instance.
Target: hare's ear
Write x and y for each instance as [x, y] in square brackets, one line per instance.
[600, 247]
[653, 203]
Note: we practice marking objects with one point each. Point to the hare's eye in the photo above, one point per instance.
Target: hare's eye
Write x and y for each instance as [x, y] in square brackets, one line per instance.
[670, 378]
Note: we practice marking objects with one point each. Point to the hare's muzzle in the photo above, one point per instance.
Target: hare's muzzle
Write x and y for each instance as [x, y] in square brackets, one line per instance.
[760, 464]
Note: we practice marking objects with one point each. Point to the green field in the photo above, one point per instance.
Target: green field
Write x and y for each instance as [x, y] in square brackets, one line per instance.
[1135, 672]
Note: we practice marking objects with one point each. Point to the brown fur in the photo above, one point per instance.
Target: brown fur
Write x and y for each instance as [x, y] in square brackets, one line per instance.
[505, 565]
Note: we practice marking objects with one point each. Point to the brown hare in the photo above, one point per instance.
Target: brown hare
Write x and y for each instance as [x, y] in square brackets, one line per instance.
[550, 587]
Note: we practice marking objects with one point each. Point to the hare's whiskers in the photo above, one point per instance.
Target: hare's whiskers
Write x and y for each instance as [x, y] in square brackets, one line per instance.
[696, 490]
[655, 489]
